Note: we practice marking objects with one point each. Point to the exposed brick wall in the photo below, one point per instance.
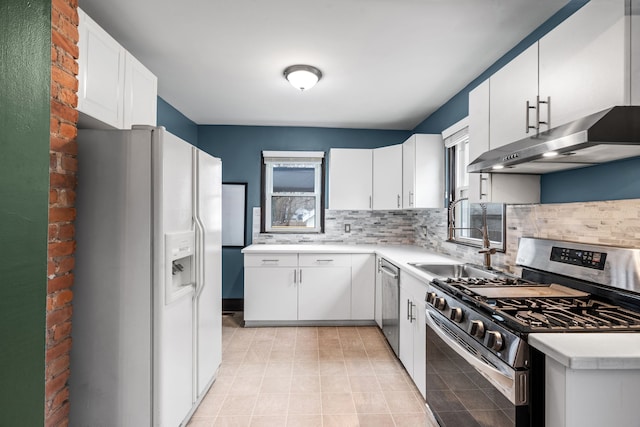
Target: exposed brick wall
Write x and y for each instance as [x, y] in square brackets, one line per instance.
[62, 172]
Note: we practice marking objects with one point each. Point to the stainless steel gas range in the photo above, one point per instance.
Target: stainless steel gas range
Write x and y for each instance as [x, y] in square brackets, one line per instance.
[480, 368]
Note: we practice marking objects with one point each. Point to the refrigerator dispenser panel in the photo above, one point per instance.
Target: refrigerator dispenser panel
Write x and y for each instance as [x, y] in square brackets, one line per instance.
[180, 277]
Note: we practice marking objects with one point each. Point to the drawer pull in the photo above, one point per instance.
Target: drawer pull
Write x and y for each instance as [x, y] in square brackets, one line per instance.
[324, 260]
[270, 261]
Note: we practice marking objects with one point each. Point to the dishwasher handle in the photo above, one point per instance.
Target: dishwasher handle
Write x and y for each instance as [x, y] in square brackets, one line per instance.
[389, 272]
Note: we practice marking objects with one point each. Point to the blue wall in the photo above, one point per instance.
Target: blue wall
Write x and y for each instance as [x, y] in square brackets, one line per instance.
[610, 181]
[176, 122]
[240, 149]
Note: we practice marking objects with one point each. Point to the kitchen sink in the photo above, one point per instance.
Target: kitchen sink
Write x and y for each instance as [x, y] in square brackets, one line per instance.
[454, 270]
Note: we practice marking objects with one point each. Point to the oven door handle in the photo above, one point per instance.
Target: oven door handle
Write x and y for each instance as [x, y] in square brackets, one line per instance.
[501, 380]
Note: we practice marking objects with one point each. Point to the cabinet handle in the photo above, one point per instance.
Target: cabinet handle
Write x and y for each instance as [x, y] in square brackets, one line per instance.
[548, 102]
[300, 281]
[409, 310]
[482, 178]
[398, 201]
[379, 264]
[410, 198]
[528, 126]
[370, 202]
[324, 260]
[295, 274]
[412, 316]
[269, 261]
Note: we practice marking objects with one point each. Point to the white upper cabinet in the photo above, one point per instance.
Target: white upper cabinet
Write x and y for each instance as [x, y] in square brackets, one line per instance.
[423, 172]
[486, 187]
[100, 73]
[511, 88]
[387, 178]
[141, 94]
[114, 87]
[586, 62]
[350, 179]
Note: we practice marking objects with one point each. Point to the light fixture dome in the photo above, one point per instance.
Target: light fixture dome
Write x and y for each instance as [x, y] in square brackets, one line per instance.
[302, 77]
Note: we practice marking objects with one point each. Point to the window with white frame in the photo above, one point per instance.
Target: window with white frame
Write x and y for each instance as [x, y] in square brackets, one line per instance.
[293, 196]
[468, 216]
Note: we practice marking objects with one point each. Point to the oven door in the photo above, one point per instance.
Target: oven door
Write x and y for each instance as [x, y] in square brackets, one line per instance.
[467, 385]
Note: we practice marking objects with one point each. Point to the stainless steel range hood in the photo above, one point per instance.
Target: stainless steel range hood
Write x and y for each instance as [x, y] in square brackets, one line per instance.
[612, 134]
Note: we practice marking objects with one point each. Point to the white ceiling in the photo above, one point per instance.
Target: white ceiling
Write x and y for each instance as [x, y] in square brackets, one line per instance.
[386, 64]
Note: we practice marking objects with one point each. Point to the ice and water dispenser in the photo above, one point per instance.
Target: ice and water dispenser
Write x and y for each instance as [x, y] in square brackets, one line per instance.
[180, 265]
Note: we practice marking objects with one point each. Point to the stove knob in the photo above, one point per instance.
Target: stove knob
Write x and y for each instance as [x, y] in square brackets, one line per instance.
[440, 303]
[494, 340]
[476, 328]
[431, 297]
[456, 314]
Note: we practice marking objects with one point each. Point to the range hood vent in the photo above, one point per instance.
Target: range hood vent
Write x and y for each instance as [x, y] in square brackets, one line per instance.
[609, 135]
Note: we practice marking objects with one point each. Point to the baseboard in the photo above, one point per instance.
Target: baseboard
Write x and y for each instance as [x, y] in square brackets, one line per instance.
[232, 304]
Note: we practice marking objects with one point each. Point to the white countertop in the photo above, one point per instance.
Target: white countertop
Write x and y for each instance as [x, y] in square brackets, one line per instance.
[591, 350]
[399, 255]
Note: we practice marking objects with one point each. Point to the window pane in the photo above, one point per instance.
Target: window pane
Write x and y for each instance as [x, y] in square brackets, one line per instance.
[293, 179]
[494, 221]
[293, 211]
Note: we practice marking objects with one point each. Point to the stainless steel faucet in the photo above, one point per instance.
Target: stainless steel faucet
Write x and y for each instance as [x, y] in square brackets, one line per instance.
[486, 250]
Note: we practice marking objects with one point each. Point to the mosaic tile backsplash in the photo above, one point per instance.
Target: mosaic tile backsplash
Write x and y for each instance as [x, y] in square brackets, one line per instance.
[614, 222]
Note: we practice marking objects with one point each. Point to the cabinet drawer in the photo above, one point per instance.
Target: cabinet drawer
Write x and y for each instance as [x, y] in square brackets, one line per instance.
[325, 260]
[271, 260]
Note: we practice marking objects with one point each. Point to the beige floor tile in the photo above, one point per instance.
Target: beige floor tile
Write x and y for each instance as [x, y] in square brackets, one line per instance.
[276, 385]
[349, 420]
[330, 354]
[387, 367]
[411, 420]
[337, 403]
[335, 384]
[201, 422]
[308, 332]
[376, 420]
[306, 354]
[257, 355]
[304, 421]
[332, 367]
[360, 354]
[233, 421]
[306, 367]
[251, 369]
[279, 369]
[305, 404]
[265, 333]
[329, 342]
[271, 404]
[403, 402]
[210, 406]
[382, 355]
[268, 421]
[221, 385]
[234, 356]
[305, 384]
[237, 405]
[328, 332]
[364, 384]
[394, 382]
[228, 369]
[245, 385]
[370, 403]
[359, 367]
[281, 355]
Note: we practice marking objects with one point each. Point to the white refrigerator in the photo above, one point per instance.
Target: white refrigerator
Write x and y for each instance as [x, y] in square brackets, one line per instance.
[147, 292]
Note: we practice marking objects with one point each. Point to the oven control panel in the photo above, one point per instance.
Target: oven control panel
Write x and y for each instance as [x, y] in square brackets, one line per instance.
[588, 259]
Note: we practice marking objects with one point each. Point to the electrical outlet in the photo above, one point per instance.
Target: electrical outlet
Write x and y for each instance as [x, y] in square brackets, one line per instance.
[424, 229]
[347, 228]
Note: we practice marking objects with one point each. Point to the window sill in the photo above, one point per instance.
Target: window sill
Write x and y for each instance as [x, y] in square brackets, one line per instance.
[499, 248]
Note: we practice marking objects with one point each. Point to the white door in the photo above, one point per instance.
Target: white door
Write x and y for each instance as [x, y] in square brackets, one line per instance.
[405, 352]
[173, 319]
[208, 297]
[140, 94]
[324, 293]
[270, 293]
[409, 173]
[350, 178]
[387, 177]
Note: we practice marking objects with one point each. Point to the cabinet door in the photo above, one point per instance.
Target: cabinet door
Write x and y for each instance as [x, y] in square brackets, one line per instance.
[378, 302]
[420, 345]
[479, 190]
[406, 330]
[387, 178]
[429, 172]
[100, 73]
[324, 293]
[270, 293]
[141, 94]
[584, 62]
[511, 87]
[409, 173]
[363, 278]
[350, 178]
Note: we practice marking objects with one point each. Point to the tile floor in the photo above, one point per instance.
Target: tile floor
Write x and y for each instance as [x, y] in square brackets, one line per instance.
[308, 377]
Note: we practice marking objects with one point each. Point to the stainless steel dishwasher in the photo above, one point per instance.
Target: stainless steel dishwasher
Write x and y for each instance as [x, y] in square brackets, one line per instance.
[390, 303]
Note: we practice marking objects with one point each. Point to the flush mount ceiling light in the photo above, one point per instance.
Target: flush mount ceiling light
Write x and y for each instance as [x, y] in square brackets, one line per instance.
[302, 77]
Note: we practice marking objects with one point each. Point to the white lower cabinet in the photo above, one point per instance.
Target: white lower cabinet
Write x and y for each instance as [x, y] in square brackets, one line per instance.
[309, 287]
[413, 330]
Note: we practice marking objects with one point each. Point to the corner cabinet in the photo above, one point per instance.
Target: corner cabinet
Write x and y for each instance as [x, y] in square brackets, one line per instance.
[413, 338]
[350, 179]
[423, 172]
[308, 288]
[486, 187]
[387, 178]
[114, 88]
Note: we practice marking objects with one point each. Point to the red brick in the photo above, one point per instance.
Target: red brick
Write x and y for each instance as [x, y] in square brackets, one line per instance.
[61, 249]
[63, 145]
[54, 125]
[63, 78]
[54, 54]
[55, 367]
[68, 198]
[58, 180]
[63, 7]
[57, 417]
[63, 111]
[62, 331]
[62, 298]
[51, 268]
[53, 232]
[59, 400]
[61, 214]
[60, 282]
[69, 64]
[64, 43]
[65, 265]
[58, 350]
[53, 161]
[69, 164]
[68, 131]
[59, 316]
[66, 232]
[53, 196]
[56, 384]
[69, 97]
[68, 29]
